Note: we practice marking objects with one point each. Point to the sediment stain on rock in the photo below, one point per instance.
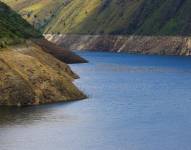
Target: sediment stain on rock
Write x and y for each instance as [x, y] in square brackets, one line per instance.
[161, 45]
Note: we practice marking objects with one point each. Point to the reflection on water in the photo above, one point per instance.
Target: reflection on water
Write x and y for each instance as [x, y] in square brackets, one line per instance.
[27, 115]
[135, 102]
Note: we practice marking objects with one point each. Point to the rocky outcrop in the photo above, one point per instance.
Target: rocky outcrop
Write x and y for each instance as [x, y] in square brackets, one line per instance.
[162, 45]
[60, 53]
[29, 76]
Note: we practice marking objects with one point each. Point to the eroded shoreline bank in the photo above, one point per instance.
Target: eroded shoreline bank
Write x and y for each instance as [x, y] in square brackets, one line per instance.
[161, 45]
[30, 75]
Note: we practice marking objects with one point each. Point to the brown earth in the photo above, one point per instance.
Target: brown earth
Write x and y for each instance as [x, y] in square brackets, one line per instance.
[59, 52]
[30, 76]
[161, 45]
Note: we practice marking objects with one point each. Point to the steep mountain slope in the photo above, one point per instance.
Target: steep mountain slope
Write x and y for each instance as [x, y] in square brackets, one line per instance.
[29, 75]
[140, 17]
[13, 28]
[145, 26]
[38, 12]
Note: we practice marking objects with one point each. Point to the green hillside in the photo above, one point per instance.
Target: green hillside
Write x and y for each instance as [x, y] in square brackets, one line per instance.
[13, 28]
[29, 72]
[38, 12]
[141, 17]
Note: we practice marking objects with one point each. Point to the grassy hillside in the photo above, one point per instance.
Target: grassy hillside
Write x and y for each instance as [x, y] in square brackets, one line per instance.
[140, 17]
[13, 28]
[29, 75]
[38, 12]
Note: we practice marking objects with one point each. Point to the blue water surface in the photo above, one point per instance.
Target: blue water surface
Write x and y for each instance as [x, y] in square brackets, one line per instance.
[136, 102]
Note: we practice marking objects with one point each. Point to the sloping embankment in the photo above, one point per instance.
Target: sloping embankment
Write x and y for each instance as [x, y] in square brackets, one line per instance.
[162, 45]
[60, 53]
[30, 76]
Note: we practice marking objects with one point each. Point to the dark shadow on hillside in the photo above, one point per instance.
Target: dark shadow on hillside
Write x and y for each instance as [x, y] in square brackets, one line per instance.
[151, 17]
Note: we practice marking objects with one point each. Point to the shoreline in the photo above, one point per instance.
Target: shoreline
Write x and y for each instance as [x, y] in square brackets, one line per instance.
[157, 45]
[30, 75]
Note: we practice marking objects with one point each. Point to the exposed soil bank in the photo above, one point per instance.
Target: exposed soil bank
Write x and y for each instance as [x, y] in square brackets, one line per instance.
[30, 76]
[162, 45]
[59, 52]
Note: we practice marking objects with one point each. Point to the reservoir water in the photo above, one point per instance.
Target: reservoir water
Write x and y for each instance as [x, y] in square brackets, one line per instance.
[136, 102]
